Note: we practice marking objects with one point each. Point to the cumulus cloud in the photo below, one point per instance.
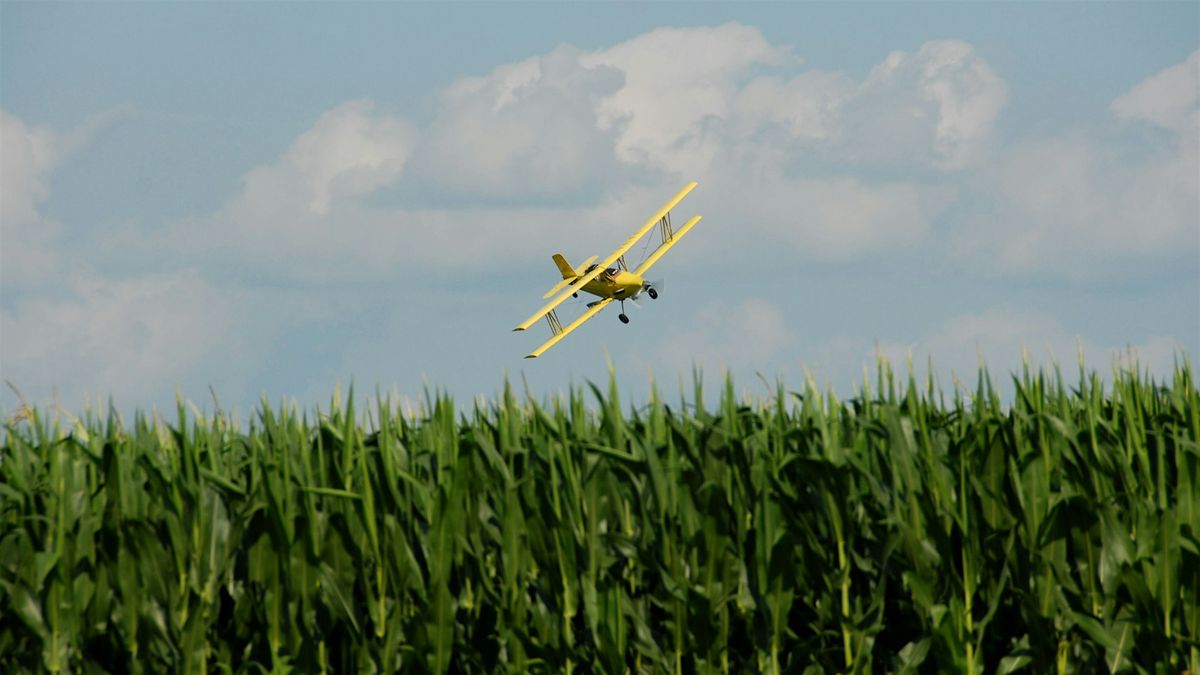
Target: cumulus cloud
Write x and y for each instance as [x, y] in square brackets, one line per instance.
[1170, 99]
[527, 128]
[69, 329]
[1000, 337]
[808, 108]
[350, 151]
[1072, 204]
[749, 136]
[751, 334]
[29, 156]
[1076, 203]
[305, 207]
[570, 150]
[785, 154]
[98, 336]
[938, 105]
[678, 82]
[633, 118]
[834, 218]
[556, 122]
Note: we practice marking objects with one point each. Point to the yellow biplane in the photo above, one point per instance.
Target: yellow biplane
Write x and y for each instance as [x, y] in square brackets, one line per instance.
[609, 280]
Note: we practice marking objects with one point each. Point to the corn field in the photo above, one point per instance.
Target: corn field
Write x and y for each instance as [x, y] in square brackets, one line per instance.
[903, 530]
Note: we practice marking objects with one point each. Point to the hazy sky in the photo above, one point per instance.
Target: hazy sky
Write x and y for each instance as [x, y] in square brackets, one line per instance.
[271, 199]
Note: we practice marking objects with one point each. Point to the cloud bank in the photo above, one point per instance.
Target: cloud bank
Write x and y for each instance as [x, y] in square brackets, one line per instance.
[567, 147]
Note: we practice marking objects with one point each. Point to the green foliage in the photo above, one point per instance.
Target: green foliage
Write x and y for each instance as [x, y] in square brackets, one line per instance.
[891, 532]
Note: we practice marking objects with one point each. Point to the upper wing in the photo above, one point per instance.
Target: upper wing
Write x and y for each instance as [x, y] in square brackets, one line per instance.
[665, 246]
[612, 258]
[574, 324]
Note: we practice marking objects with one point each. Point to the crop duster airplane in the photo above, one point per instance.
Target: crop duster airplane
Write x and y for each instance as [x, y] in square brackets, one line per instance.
[609, 280]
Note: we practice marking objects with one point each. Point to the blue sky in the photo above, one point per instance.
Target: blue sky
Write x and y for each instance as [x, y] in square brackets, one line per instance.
[272, 199]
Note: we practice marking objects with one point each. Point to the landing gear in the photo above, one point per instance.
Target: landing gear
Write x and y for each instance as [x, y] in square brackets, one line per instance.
[575, 295]
[623, 318]
[652, 293]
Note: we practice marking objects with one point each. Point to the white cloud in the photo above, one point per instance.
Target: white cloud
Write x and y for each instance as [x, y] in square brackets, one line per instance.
[751, 334]
[835, 218]
[677, 82]
[1076, 203]
[30, 154]
[715, 118]
[742, 134]
[968, 95]
[997, 336]
[574, 123]
[938, 106]
[806, 108]
[349, 152]
[820, 165]
[527, 128]
[565, 122]
[686, 115]
[358, 242]
[28, 157]
[1000, 337]
[304, 208]
[1170, 99]
[127, 338]
[68, 329]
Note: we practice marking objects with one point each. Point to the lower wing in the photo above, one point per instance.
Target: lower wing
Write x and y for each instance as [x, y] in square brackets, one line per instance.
[566, 331]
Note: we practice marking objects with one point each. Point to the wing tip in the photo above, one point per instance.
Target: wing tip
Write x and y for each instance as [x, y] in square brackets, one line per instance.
[531, 356]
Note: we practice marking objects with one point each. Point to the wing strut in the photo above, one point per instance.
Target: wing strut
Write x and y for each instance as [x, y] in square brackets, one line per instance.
[666, 245]
[567, 331]
[556, 326]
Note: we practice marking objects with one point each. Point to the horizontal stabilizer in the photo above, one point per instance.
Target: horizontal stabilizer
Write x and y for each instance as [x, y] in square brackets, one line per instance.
[582, 269]
[557, 287]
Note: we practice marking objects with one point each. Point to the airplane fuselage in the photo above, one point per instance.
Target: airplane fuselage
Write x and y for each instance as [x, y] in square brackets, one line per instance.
[615, 283]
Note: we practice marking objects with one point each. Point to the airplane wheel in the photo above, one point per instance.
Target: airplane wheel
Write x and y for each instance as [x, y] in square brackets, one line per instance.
[575, 295]
[623, 318]
[652, 293]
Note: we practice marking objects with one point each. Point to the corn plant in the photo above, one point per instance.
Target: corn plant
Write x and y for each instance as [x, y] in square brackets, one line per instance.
[905, 529]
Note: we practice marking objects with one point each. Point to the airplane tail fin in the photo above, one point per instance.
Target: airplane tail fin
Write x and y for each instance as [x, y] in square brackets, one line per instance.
[564, 267]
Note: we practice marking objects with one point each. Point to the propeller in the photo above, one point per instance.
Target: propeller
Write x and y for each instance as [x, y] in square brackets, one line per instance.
[653, 288]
